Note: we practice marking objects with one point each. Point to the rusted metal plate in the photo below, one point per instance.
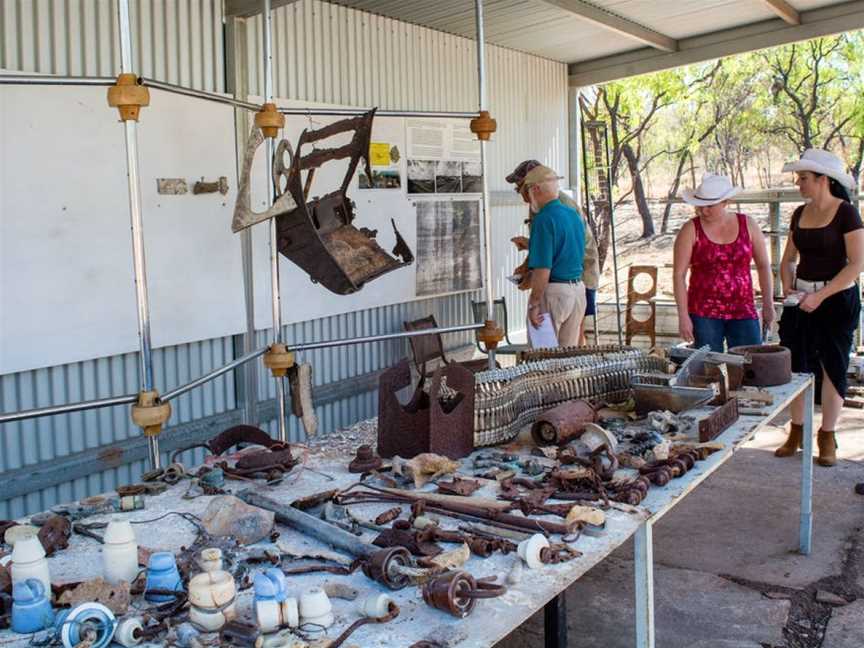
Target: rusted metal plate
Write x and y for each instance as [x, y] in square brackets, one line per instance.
[665, 397]
[715, 423]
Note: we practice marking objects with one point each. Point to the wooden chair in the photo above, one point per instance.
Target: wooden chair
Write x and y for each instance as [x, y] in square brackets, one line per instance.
[500, 306]
[428, 349]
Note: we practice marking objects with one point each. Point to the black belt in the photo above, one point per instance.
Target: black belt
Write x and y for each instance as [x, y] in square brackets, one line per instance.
[572, 282]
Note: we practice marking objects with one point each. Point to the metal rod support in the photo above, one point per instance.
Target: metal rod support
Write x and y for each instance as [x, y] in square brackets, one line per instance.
[275, 293]
[50, 80]
[323, 112]
[203, 380]
[53, 410]
[643, 568]
[138, 256]
[805, 532]
[309, 346]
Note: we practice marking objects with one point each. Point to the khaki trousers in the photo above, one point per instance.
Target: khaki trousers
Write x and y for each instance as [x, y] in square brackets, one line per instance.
[565, 303]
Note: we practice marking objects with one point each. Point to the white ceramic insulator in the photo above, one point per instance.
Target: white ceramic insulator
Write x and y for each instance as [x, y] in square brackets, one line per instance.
[291, 612]
[376, 606]
[529, 550]
[268, 615]
[126, 632]
[28, 561]
[120, 553]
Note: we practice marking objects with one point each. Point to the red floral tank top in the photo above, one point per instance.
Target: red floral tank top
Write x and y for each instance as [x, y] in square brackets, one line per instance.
[721, 286]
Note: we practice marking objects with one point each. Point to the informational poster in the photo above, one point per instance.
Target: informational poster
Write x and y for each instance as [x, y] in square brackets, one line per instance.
[385, 156]
[448, 246]
[443, 157]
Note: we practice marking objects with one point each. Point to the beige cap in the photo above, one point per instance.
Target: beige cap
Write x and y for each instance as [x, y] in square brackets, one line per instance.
[539, 174]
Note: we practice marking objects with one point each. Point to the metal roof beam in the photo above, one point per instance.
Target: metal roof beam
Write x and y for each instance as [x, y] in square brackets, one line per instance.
[616, 23]
[834, 19]
[783, 9]
[248, 8]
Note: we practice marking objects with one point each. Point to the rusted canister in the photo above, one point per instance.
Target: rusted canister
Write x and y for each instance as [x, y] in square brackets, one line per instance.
[563, 422]
[770, 365]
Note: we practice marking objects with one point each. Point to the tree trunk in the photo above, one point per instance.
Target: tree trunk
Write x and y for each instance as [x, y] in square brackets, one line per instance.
[639, 192]
[601, 214]
[673, 190]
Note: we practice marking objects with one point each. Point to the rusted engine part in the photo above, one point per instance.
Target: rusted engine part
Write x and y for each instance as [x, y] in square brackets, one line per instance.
[392, 613]
[770, 365]
[507, 399]
[459, 486]
[318, 236]
[562, 423]
[603, 461]
[717, 421]
[424, 424]
[383, 565]
[302, 406]
[662, 472]
[365, 460]
[600, 350]
[457, 592]
[644, 299]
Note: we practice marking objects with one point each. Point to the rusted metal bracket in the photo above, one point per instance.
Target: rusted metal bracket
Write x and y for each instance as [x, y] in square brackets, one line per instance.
[721, 418]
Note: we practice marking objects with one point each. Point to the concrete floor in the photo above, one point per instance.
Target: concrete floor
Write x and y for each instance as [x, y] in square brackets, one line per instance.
[726, 570]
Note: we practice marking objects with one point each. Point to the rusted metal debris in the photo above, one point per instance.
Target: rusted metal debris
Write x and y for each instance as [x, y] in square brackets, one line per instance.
[563, 422]
[247, 434]
[770, 365]
[423, 425]
[318, 235]
[365, 460]
[457, 592]
[721, 418]
[650, 396]
[54, 534]
[459, 486]
[388, 516]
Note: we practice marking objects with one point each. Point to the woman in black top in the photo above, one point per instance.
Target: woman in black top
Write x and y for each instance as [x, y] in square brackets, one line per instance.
[822, 303]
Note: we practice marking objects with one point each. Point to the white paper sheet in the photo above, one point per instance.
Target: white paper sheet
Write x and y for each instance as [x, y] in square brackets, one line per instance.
[544, 335]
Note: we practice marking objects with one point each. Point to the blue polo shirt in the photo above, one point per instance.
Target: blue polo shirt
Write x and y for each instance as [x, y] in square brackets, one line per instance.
[557, 242]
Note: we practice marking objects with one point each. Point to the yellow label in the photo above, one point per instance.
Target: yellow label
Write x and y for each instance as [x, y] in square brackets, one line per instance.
[379, 154]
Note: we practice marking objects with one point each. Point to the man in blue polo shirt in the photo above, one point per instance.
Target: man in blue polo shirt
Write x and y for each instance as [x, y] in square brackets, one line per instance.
[556, 252]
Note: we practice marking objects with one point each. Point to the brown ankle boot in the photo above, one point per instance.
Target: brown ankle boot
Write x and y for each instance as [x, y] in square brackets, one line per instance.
[793, 441]
[827, 443]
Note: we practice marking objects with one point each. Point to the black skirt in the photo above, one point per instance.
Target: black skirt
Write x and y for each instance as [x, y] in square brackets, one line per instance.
[823, 338]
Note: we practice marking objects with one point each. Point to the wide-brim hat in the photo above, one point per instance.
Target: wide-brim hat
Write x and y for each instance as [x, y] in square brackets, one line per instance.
[712, 190]
[823, 162]
[538, 175]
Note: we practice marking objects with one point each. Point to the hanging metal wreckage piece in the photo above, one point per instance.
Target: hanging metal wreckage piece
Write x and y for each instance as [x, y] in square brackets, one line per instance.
[319, 235]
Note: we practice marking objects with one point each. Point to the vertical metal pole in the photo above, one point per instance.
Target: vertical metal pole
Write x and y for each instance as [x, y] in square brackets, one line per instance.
[805, 533]
[145, 359]
[555, 622]
[774, 209]
[236, 64]
[274, 242]
[487, 217]
[586, 204]
[612, 228]
[643, 566]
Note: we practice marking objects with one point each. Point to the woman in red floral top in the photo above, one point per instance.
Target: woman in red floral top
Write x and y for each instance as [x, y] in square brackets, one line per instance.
[717, 248]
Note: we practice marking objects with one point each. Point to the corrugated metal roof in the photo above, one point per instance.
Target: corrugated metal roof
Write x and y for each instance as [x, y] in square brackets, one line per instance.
[542, 28]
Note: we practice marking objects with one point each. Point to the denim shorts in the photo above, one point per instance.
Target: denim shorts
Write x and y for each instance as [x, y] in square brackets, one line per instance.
[712, 331]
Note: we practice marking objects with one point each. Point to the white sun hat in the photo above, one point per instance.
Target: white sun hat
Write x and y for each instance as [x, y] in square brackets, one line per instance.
[824, 162]
[712, 190]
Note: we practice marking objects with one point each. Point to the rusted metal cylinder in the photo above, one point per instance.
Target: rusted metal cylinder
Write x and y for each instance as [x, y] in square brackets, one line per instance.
[563, 422]
[770, 365]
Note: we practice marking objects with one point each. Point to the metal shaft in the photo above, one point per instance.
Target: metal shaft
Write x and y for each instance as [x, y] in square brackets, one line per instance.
[487, 217]
[138, 257]
[274, 239]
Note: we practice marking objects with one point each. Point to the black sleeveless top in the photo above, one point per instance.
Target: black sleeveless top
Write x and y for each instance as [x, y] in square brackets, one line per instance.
[823, 249]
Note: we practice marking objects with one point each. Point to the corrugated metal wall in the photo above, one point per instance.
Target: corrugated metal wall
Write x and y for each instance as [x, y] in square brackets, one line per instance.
[323, 53]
